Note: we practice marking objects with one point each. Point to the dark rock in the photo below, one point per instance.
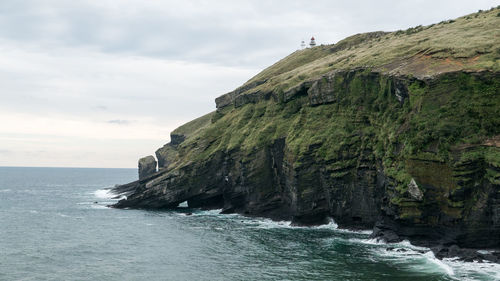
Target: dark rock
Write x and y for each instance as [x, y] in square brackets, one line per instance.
[297, 91]
[176, 139]
[400, 90]
[147, 167]
[166, 155]
[466, 254]
[451, 206]
[229, 98]
[386, 232]
[323, 90]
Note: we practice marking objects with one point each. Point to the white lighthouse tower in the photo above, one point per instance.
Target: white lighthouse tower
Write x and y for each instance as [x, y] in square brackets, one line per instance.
[313, 42]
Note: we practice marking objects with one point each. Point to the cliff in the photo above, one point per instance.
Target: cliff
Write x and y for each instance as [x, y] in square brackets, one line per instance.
[395, 131]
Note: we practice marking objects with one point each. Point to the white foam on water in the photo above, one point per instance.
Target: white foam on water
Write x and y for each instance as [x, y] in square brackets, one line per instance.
[333, 225]
[104, 194]
[422, 259]
[269, 224]
[446, 268]
[330, 225]
[215, 212]
[371, 241]
[473, 270]
[411, 257]
[5, 190]
[485, 252]
[266, 223]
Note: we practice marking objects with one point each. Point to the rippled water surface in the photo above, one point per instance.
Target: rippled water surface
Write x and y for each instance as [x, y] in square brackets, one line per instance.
[54, 225]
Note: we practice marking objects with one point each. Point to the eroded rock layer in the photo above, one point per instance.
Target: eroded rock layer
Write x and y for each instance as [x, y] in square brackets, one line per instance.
[409, 147]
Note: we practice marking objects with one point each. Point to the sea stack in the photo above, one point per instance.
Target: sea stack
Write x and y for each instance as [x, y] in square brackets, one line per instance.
[147, 166]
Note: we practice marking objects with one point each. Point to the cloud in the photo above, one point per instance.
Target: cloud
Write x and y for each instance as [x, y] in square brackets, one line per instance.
[69, 100]
[221, 32]
[102, 83]
[80, 80]
[119, 122]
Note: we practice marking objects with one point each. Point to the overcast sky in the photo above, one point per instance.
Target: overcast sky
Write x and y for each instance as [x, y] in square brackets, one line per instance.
[101, 83]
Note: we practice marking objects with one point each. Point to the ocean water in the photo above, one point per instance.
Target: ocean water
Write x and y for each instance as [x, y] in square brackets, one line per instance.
[51, 228]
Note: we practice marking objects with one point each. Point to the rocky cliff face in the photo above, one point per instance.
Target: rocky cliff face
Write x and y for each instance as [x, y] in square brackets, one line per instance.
[147, 166]
[412, 155]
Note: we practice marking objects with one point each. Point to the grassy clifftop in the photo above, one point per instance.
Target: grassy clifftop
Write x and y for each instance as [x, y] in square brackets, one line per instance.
[466, 43]
[403, 125]
[456, 110]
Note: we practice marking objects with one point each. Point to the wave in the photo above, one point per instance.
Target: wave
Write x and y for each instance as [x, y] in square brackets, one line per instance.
[331, 225]
[422, 259]
[104, 194]
[403, 254]
[108, 193]
[474, 270]
[266, 223]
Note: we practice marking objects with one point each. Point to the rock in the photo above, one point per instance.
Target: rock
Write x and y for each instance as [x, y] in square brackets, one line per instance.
[323, 90]
[310, 162]
[176, 139]
[147, 167]
[414, 191]
[400, 91]
[229, 98]
[166, 155]
[464, 254]
[297, 91]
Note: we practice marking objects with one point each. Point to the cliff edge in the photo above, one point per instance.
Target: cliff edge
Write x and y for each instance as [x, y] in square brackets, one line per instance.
[393, 131]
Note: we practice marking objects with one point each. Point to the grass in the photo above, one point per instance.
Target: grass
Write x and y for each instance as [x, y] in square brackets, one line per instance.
[195, 125]
[467, 43]
[366, 120]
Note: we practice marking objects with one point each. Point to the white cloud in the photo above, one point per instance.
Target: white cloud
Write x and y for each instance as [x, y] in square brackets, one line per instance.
[49, 98]
[103, 82]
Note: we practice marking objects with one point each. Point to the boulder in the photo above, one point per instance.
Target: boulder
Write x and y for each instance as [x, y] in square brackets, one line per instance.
[414, 191]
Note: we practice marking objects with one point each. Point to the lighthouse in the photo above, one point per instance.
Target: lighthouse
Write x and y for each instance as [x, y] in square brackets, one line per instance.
[313, 42]
[302, 45]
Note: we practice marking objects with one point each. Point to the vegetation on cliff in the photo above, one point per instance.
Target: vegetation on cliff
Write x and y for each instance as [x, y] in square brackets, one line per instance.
[439, 114]
[402, 125]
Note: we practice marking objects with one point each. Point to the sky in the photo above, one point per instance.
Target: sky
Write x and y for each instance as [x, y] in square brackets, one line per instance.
[101, 83]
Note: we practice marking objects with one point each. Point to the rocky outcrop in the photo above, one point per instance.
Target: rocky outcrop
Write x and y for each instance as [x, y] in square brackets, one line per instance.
[167, 154]
[435, 203]
[176, 139]
[407, 147]
[415, 192]
[230, 98]
[147, 166]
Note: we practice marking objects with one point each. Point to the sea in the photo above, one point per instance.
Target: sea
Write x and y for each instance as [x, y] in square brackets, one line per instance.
[55, 225]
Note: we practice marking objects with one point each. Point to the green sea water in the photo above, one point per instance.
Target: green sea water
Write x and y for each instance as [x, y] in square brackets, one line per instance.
[54, 225]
